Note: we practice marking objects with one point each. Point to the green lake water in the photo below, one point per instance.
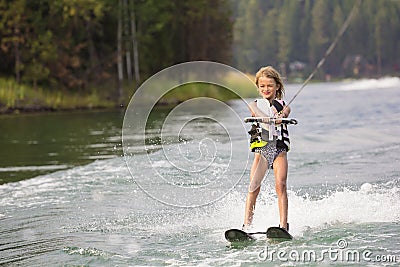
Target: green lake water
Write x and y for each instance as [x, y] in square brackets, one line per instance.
[34, 144]
[67, 197]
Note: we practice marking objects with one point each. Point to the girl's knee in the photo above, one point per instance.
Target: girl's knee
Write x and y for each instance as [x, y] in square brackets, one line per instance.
[254, 194]
[280, 187]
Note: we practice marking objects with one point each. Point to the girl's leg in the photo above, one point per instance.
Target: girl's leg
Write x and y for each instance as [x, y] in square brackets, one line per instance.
[280, 171]
[258, 169]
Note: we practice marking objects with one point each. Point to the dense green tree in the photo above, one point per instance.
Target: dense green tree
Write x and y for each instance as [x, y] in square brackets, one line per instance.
[14, 29]
[304, 29]
[320, 30]
[286, 30]
[73, 44]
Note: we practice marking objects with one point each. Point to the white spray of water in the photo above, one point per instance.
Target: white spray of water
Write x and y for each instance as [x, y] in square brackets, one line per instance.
[367, 84]
[369, 204]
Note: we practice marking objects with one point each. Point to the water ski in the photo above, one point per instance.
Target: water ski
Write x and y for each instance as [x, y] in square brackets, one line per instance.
[278, 233]
[236, 235]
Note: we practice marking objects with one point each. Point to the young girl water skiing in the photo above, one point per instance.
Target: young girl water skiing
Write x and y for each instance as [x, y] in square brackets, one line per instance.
[269, 153]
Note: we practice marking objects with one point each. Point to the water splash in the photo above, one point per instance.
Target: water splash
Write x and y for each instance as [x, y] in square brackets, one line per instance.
[369, 84]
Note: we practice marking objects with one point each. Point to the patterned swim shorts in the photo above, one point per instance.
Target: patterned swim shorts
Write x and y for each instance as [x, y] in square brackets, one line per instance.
[270, 152]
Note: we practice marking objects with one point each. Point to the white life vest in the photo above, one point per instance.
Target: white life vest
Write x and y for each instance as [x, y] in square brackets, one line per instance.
[280, 131]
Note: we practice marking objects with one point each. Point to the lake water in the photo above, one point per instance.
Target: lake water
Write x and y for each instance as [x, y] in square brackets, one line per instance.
[68, 198]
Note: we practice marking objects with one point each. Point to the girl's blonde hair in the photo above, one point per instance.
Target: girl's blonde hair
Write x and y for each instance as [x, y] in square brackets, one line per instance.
[270, 72]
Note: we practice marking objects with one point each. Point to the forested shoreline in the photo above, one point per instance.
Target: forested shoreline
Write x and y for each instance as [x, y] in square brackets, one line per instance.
[296, 34]
[63, 54]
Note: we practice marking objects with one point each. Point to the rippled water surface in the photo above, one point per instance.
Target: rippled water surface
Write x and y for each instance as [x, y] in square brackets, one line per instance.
[68, 198]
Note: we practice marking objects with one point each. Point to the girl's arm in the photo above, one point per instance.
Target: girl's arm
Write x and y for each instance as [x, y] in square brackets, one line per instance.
[255, 111]
[283, 114]
[285, 111]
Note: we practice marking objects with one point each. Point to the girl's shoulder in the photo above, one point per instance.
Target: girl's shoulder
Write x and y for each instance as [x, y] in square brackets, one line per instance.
[280, 101]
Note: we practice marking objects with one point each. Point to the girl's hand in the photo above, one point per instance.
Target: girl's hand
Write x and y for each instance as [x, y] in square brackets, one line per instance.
[281, 115]
[265, 120]
[284, 112]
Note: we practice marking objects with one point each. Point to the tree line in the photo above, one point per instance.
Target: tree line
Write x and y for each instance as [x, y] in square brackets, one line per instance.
[79, 44]
[295, 35]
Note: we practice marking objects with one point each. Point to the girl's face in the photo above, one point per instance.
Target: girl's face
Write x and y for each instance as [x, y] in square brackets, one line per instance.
[267, 88]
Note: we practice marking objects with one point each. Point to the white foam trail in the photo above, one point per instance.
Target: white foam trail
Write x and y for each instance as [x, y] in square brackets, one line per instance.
[367, 84]
[369, 204]
[34, 168]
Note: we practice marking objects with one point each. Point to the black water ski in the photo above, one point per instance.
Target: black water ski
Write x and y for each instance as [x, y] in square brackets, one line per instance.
[236, 235]
[278, 233]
